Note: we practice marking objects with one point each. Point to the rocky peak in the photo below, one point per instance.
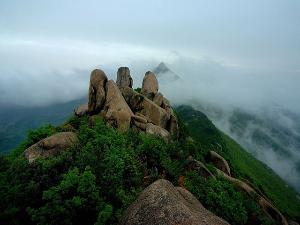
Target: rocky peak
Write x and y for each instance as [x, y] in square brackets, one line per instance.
[164, 74]
[122, 107]
[98, 81]
[123, 77]
[150, 85]
[162, 203]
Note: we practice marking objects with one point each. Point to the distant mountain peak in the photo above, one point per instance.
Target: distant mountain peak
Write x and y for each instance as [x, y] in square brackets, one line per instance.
[161, 68]
[163, 72]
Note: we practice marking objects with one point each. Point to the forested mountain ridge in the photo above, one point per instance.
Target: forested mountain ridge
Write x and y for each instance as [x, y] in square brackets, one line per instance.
[99, 167]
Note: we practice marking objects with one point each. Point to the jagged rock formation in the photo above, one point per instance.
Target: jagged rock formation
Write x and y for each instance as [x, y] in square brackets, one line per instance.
[163, 204]
[144, 106]
[123, 77]
[150, 85]
[116, 111]
[50, 146]
[223, 169]
[122, 107]
[96, 90]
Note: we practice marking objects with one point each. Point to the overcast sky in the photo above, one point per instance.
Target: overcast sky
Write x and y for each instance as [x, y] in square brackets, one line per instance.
[43, 41]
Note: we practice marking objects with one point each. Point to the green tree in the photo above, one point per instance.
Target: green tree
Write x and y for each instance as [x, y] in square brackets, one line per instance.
[75, 200]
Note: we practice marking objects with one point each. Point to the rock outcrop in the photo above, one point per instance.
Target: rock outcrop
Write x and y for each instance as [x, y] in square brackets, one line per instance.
[150, 85]
[122, 107]
[267, 207]
[82, 110]
[163, 204]
[158, 131]
[158, 99]
[144, 106]
[50, 146]
[117, 112]
[199, 167]
[97, 91]
[223, 169]
[123, 77]
[219, 162]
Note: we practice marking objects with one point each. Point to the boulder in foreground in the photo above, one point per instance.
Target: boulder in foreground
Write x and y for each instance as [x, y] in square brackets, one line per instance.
[163, 204]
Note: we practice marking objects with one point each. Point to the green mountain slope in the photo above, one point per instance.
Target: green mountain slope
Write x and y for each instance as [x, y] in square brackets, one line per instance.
[243, 165]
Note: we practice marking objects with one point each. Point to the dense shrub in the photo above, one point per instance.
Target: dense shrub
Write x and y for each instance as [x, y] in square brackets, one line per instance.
[75, 200]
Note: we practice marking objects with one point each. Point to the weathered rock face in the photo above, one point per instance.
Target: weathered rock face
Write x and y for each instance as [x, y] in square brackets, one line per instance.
[163, 204]
[82, 110]
[117, 112]
[158, 131]
[150, 85]
[158, 99]
[98, 80]
[166, 105]
[123, 77]
[156, 115]
[219, 162]
[199, 167]
[141, 104]
[140, 121]
[50, 146]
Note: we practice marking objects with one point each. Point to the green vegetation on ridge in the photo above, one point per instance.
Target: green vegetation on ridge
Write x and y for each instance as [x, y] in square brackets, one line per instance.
[96, 180]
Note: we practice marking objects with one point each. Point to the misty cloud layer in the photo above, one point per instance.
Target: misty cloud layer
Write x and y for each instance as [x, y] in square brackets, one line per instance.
[271, 99]
[47, 71]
